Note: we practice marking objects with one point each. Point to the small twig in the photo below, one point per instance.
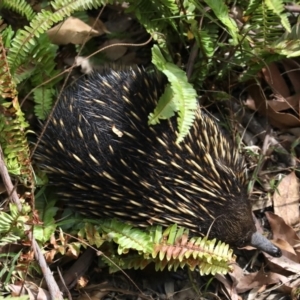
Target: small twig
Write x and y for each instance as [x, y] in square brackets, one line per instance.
[54, 291]
[64, 284]
[12, 194]
[52, 285]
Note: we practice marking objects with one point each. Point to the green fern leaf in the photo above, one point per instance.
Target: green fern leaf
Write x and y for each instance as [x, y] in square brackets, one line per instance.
[155, 16]
[26, 39]
[184, 96]
[126, 236]
[19, 6]
[277, 6]
[253, 5]
[43, 98]
[221, 11]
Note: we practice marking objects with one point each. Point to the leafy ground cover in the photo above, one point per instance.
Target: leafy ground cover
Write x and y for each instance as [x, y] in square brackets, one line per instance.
[241, 60]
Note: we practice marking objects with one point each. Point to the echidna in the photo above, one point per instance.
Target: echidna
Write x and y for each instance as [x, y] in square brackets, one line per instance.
[105, 161]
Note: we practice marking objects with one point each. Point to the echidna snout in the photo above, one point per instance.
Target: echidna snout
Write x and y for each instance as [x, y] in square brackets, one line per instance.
[238, 229]
[262, 243]
[106, 162]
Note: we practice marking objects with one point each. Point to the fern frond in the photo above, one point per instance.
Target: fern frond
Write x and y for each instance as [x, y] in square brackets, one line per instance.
[13, 126]
[173, 249]
[263, 60]
[13, 141]
[265, 41]
[67, 7]
[43, 97]
[263, 28]
[26, 39]
[169, 248]
[126, 236]
[253, 5]
[13, 225]
[7, 35]
[19, 6]
[155, 16]
[277, 6]
[184, 98]
[207, 38]
[220, 9]
[129, 261]
[7, 86]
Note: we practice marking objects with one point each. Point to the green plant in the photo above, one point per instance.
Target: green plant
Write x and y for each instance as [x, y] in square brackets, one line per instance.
[227, 48]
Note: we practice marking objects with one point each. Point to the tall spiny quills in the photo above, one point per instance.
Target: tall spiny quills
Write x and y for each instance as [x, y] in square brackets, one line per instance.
[105, 161]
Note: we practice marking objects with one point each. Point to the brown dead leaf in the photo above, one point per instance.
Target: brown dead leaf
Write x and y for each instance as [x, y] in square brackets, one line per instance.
[20, 290]
[291, 283]
[281, 230]
[30, 289]
[53, 241]
[281, 104]
[72, 31]
[230, 288]
[284, 232]
[27, 257]
[43, 294]
[49, 255]
[246, 282]
[77, 270]
[285, 286]
[282, 265]
[292, 71]
[273, 77]
[82, 282]
[295, 132]
[73, 251]
[98, 25]
[285, 94]
[286, 199]
[287, 249]
[259, 102]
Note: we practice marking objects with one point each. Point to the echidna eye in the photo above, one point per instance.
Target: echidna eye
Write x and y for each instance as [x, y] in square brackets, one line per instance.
[241, 243]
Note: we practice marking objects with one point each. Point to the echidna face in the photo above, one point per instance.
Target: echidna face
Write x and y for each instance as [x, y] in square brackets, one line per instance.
[237, 227]
[105, 160]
